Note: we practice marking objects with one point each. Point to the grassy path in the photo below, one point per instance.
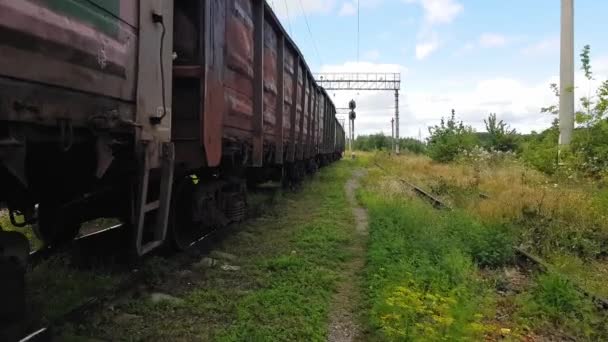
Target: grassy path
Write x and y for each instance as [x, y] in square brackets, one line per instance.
[343, 321]
[273, 279]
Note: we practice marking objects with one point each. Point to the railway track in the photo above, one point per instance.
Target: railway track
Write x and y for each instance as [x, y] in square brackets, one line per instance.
[127, 286]
[93, 245]
[80, 242]
[538, 262]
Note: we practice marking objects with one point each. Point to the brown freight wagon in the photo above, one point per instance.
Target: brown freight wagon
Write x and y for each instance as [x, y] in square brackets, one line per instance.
[154, 112]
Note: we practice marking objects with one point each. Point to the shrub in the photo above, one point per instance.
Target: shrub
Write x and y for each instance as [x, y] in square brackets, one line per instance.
[500, 136]
[588, 152]
[555, 302]
[449, 139]
[540, 150]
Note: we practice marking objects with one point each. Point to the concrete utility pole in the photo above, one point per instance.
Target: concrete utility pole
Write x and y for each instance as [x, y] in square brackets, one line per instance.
[566, 86]
[397, 121]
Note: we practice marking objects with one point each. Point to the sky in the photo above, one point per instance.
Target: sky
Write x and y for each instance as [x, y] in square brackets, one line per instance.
[474, 56]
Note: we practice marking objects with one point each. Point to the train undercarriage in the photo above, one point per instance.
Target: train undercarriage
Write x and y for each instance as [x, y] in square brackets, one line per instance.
[58, 198]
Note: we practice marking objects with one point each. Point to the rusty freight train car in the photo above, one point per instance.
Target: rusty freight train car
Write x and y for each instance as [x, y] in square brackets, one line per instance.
[154, 112]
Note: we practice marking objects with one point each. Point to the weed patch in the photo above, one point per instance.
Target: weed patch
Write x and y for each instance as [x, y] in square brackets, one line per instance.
[448, 275]
[555, 303]
[421, 276]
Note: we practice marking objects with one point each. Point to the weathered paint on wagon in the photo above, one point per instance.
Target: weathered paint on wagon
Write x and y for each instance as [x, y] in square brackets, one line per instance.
[76, 44]
[301, 114]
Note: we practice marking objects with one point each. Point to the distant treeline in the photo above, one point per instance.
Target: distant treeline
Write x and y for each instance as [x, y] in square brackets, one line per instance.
[381, 142]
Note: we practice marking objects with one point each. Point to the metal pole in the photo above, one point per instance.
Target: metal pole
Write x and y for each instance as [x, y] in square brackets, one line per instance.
[397, 121]
[566, 97]
[393, 134]
[352, 138]
[350, 134]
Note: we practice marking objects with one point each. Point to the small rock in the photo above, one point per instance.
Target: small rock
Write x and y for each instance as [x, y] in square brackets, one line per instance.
[158, 297]
[223, 256]
[124, 318]
[205, 262]
[230, 268]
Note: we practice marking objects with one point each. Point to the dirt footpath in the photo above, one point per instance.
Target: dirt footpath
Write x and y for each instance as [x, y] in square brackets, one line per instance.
[343, 319]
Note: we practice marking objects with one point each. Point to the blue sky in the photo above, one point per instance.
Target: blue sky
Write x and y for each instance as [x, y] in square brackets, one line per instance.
[476, 56]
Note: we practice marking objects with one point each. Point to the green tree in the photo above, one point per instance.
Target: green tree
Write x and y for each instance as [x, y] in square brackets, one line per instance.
[450, 138]
[588, 151]
[412, 145]
[501, 136]
[589, 143]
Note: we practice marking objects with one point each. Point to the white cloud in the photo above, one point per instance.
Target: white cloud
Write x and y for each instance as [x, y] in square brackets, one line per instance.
[513, 100]
[439, 11]
[516, 101]
[543, 47]
[490, 40]
[435, 12]
[347, 9]
[424, 49]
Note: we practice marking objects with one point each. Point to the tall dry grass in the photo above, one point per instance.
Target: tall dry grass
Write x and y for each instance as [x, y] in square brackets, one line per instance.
[548, 216]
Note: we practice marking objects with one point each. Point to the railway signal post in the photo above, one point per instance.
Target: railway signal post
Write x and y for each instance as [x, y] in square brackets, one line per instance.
[393, 134]
[365, 81]
[397, 121]
[351, 116]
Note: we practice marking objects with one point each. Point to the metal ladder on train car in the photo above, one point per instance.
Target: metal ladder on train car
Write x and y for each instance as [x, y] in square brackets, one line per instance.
[153, 217]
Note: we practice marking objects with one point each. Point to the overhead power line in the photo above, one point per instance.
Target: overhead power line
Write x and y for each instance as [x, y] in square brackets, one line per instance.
[288, 19]
[314, 43]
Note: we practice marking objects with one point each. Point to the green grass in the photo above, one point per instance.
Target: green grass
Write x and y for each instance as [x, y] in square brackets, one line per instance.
[438, 276]
[554, 304]
[54, 288]
[290, 262]
[421, 277]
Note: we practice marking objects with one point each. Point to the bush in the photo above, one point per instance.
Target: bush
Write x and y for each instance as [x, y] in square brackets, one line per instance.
[449, 139]
[588, 152]
[500, 136]
[540, 150]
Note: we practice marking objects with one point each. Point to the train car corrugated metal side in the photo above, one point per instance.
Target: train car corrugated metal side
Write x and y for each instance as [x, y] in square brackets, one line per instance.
[252, 80]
